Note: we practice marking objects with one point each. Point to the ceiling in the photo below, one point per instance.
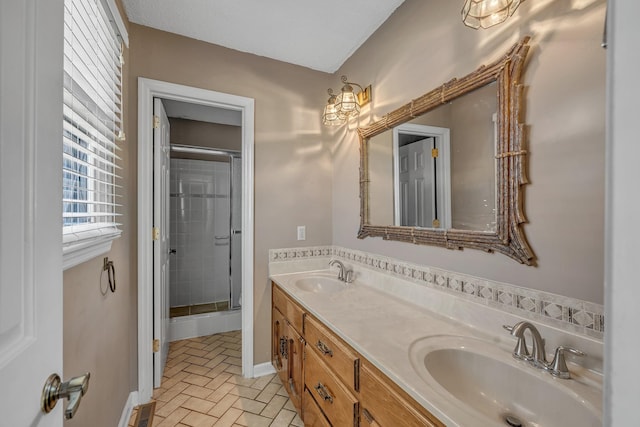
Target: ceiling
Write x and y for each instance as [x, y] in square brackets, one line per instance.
[320, 35]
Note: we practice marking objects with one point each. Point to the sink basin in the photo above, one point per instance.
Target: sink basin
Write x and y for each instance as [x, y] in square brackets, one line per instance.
[490, 385]
[320, 284]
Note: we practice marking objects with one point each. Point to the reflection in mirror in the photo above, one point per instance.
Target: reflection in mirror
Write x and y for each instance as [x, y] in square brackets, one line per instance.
[447, 168]
[438, 170]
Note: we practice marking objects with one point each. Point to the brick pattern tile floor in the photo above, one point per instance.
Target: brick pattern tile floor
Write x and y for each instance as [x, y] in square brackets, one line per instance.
[202, 386]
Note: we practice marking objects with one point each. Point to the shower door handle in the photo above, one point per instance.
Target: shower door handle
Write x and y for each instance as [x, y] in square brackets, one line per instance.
[171, 251]
[236, 231]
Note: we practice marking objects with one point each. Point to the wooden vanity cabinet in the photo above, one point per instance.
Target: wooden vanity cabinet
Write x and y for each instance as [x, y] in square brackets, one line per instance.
[384, 404]
[279, 358]
[329, 383]
[288, 344]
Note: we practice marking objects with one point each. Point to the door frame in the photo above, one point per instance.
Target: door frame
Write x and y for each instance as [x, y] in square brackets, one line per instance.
[443, 141]
[147, 90]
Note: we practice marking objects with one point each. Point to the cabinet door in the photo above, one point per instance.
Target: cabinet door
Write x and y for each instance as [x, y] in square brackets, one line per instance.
[313, 416]
[279, 344]
[382, 404]
[338, 404]
[295, 352]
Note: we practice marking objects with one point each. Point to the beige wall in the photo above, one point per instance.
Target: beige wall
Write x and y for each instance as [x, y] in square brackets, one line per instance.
[422, 45]
[473, 183]
[292, 160]
[203, 134]
[100, 331]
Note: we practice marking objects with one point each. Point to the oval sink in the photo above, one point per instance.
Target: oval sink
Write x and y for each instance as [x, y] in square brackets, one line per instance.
[488, 382]
[320, 284]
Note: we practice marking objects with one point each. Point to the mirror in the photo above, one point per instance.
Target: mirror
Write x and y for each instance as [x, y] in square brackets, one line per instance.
[447, 168]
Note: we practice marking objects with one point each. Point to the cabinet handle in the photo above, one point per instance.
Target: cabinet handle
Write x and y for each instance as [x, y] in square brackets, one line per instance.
[367, 415]
[283, 347]
[323, 392]
[324, 349]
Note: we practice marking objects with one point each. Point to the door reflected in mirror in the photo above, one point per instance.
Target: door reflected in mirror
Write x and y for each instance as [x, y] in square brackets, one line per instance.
[416, 188]
[438, 170]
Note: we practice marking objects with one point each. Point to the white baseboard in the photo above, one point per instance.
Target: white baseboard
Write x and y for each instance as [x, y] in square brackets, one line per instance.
[131, 403]
[263, 369]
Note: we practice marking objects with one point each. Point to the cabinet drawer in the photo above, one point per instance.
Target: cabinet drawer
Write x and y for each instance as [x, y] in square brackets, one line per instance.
[311, 413]
[335, 400]
[291, 311]
[383, 404]
[333, 352]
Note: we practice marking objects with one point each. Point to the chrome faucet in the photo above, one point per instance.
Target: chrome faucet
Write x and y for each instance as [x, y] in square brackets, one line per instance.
[344, 274]
[538, 356]
[557, 368]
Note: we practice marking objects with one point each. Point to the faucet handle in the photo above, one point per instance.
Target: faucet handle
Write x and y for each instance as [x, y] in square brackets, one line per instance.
[520, 351]
[558, 367]
[348, 276]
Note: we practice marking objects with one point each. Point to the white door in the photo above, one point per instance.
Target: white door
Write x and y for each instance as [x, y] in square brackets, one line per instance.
[161, 250]
[30, 208]
[416, 183]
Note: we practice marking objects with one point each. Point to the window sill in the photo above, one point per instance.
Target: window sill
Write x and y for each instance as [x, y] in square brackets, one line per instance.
[82, 251]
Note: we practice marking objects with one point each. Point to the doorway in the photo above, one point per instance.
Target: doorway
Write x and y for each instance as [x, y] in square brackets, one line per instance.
[148, 90]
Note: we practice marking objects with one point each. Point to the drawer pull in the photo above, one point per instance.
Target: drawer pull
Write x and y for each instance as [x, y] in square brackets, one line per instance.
[324, 349]
[324, 393]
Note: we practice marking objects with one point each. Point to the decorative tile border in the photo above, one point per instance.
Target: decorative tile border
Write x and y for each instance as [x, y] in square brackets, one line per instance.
[556, 310]
[293, 254]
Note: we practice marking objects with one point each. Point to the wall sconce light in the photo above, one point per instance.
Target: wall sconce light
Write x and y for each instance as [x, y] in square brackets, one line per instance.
[330, 116]
[487, 13]
[346, 104]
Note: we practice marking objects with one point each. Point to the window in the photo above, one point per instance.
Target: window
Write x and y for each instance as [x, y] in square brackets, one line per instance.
[92, 120]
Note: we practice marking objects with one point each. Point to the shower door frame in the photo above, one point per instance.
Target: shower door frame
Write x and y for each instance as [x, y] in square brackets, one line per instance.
[231, 155]
[147, 90]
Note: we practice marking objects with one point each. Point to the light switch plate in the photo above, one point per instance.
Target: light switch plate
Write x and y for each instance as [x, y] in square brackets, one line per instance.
[302, 232]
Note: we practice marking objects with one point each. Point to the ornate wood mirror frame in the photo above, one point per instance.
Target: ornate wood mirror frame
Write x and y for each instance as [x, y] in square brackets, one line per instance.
[509, 237]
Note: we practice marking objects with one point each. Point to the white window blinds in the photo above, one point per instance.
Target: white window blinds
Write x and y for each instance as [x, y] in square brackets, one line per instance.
[91, 125]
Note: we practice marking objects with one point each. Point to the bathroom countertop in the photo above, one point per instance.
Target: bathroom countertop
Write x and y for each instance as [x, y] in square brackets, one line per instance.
[382, 328]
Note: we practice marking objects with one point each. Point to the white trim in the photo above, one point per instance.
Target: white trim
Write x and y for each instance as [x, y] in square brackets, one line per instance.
[147, 90]
[117, 21]
[622, 231]
[84, 251]
[132, 402]
[263, 369]
[443, 141]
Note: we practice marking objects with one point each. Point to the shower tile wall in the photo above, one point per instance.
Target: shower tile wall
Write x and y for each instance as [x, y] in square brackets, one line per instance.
[199, 271]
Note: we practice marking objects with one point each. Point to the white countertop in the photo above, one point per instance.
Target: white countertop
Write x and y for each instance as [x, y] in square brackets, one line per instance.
[382, 328]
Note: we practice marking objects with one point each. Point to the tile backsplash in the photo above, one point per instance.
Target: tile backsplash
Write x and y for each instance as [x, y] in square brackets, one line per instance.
[577, 316]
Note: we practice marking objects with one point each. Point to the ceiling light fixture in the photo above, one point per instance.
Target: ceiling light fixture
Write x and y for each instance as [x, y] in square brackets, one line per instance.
[346, 104]
[487, 13]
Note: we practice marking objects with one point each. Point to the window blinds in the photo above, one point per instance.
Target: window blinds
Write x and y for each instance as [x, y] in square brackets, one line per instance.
[91, 123]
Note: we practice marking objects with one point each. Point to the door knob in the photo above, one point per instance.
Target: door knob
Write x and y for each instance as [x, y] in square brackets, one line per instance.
[73, 390]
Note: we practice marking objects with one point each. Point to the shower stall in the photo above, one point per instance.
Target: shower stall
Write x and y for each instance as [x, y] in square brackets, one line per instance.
[205, 240]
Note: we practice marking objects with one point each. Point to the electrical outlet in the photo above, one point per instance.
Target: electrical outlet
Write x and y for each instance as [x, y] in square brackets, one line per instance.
[302, 232]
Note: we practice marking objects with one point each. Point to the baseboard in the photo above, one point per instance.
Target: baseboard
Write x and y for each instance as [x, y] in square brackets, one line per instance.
[263, 369]
[132, 402]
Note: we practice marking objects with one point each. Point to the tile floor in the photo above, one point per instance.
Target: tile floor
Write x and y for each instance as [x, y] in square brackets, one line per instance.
[202, 386]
